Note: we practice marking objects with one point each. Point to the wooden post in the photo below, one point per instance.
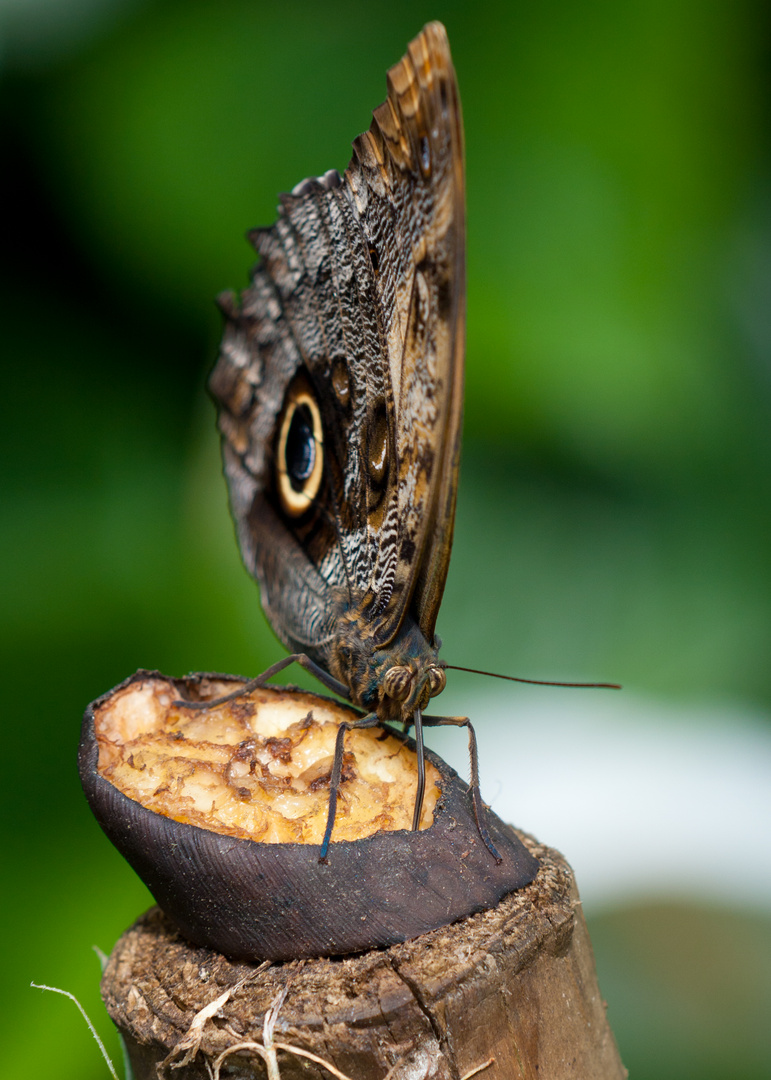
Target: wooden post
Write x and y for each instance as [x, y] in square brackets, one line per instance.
[507, 994]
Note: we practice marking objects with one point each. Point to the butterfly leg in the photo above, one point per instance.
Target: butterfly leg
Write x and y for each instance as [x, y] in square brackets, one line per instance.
[476, 798]
[370, 720]
[260, 680]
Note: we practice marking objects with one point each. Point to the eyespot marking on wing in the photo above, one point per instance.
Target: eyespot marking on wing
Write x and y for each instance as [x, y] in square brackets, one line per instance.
[423, 304]
[341, 381]
[377, 445]
[300, 450]
[425, 156]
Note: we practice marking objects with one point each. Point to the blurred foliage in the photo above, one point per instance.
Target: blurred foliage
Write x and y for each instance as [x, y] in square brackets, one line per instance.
[614, 512]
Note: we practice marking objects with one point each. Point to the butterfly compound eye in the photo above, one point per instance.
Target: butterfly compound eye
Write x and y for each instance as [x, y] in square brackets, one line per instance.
[300, 457]
[397, 683]
[437, 680]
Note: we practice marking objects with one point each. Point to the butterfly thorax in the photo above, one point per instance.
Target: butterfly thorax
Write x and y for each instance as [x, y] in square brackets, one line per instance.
[391, 680]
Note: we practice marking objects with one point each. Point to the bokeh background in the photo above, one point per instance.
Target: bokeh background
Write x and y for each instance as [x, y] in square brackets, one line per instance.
[614, 511]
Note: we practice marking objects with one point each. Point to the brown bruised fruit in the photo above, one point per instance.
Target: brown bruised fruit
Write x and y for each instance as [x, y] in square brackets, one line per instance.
[221, 812]
[257, 767]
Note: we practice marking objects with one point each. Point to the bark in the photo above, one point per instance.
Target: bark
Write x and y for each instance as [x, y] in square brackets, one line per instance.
[508, 994]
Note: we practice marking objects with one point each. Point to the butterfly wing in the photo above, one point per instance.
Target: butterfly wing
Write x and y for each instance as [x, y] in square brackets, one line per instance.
[420, 123]
[407, 180]
[360, 292]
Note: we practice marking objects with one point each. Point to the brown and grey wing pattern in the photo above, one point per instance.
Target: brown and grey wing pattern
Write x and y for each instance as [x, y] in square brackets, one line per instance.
[360, 288]
[258, 361]
[406, 181]
[316, 256]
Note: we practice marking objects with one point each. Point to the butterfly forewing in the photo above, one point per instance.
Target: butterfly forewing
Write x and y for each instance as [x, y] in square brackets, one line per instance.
[408, 184]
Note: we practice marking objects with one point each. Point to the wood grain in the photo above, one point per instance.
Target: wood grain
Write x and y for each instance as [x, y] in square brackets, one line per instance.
[514, 987]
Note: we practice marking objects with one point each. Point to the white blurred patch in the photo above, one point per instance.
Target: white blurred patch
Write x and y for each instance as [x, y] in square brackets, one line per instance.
[645, 799]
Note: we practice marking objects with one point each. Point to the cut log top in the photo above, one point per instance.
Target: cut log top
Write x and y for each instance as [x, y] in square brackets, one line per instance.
[511, 992]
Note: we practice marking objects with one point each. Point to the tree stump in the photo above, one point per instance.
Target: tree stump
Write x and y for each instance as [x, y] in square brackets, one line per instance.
[507, 994]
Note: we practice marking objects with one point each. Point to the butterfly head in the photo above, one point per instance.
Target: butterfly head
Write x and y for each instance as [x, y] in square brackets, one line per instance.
[411, 685]
[391, 680]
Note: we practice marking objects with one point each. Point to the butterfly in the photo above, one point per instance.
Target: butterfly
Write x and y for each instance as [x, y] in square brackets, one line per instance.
[339, 387]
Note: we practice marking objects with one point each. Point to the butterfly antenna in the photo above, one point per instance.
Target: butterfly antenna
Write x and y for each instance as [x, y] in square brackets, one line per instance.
[535, 682]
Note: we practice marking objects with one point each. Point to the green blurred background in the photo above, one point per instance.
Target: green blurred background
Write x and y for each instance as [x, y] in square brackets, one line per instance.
[614, 510]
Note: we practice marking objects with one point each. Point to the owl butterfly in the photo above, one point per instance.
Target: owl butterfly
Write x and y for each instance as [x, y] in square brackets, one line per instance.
[339, 386]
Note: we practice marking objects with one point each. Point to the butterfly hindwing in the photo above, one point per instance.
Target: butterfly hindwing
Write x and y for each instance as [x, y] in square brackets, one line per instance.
[349, 345]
